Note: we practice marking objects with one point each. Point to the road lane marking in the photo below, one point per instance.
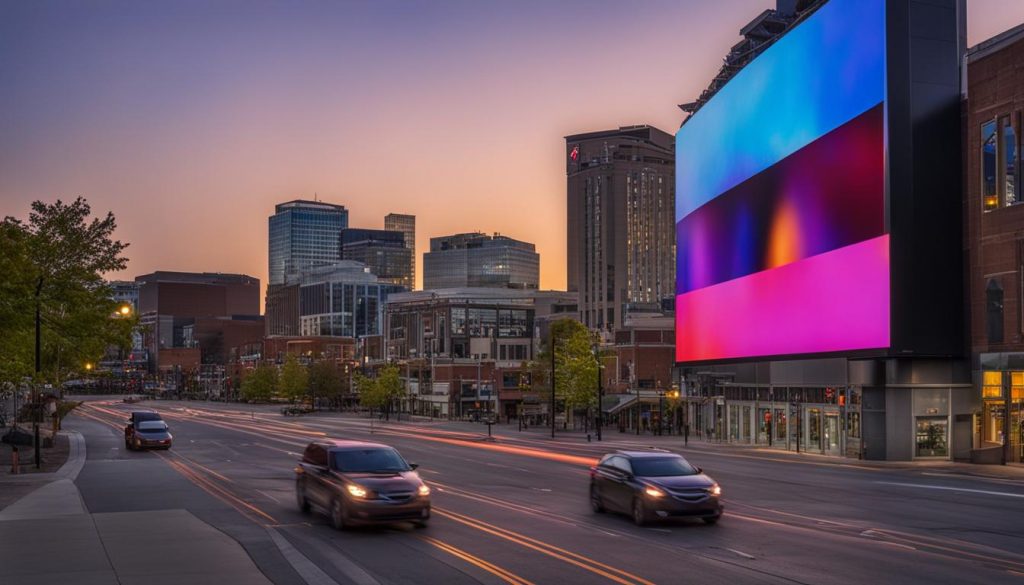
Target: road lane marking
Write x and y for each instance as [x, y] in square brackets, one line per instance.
[951, 489]
[740, 553]
[588, 564]
[504, 574]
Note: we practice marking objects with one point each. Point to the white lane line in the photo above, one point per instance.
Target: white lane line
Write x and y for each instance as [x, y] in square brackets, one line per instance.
[265, 494]
[951, 489]
[740, 553]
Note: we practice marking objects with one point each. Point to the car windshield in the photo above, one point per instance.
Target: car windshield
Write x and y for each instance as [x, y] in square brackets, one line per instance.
[141, 416]
[662, 467]
[368, 460]
[152, 426]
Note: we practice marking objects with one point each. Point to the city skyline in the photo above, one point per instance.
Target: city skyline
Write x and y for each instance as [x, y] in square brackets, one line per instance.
[260, 106]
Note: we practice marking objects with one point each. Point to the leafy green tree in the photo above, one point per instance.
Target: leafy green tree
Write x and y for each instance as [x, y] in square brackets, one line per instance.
[325, 381]
[260, 384]
[575, 365]
[54, 264]
[294, 379]
[370, 395]
[390, 386]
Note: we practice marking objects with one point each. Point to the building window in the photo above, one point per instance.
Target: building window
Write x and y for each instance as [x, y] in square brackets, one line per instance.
[1009, 160]
[994, 311]
[989, 166]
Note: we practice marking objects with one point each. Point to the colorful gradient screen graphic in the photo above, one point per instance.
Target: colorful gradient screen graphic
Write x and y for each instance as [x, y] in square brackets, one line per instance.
[780, 198]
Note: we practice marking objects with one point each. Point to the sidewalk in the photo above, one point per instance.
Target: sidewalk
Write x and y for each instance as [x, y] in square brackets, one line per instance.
[51, 538]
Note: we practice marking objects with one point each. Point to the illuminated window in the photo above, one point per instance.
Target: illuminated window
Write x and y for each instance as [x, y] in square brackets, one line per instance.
[989, 166]
[992, 384]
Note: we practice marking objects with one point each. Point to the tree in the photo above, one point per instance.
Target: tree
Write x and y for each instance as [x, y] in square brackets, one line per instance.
[369, 391]
[53, 268]
[575, 365]
[294, 379]
[325, 381]
[260, 384]
[390, 386]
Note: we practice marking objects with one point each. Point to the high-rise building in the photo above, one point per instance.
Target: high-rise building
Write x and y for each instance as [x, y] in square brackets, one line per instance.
[400, 222]
[479, 260]
[383, 252]
[304, 234]
[621, 237]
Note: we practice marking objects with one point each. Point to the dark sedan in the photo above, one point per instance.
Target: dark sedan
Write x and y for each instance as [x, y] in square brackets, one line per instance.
[360, 483]
[150, 434]
[652, 485]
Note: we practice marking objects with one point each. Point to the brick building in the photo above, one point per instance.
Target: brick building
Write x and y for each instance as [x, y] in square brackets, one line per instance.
[994, 242]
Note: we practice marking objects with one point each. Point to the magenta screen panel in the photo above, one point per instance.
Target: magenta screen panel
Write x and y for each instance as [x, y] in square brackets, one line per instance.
[780, 198]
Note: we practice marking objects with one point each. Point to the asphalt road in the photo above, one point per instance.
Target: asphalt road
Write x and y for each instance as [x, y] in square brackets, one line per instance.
[515, 510]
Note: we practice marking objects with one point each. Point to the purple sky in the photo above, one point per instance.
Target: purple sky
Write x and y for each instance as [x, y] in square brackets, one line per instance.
[191, 119]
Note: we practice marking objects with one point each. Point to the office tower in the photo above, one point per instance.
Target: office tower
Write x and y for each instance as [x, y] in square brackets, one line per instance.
[400, 222]
[304, 234]
[480, 260]
[621, 241]
[383, 252]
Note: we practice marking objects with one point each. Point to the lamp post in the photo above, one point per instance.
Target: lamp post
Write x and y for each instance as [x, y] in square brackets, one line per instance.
[600, 392]
[553, 345]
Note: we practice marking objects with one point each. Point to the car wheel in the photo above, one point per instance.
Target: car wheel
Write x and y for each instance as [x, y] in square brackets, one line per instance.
[300, 495]
[639, 513]
[339, 516]
[595, 500]
[712, 520]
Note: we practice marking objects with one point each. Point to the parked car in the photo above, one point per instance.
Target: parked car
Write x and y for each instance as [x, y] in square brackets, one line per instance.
[360, 483]
[652, 485]
[150, 434]
[134, 419]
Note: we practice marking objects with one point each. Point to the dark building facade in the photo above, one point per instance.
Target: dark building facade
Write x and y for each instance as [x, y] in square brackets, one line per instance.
[187, 310]
[384, 252]
[621, 240]
[995, 242]
[405, 223]
[480, 260]
[303, 234]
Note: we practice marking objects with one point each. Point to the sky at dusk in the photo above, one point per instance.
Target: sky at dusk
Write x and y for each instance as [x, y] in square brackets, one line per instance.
[190, 120]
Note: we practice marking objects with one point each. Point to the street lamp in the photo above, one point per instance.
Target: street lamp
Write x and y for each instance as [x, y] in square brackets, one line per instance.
[600, 391]
[124, 310]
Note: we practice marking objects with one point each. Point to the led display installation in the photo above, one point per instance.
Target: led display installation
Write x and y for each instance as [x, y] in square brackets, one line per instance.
[780, 198]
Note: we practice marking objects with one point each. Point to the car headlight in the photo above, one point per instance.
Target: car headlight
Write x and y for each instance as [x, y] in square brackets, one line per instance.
[356, 490]
[424, 490]
[653, 492]
[715, 490]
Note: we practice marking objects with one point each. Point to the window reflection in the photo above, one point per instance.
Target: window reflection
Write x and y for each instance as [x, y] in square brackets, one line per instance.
[1009, 161]
[989, 194]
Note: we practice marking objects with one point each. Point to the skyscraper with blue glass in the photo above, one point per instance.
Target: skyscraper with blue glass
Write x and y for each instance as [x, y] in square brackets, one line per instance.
[304, 234]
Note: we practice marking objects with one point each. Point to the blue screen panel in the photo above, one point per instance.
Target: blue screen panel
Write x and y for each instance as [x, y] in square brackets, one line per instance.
[823, 73]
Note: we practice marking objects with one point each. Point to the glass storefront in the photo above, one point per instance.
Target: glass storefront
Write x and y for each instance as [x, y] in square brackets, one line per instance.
[813, 419]
[1001, 413]
[931, 436]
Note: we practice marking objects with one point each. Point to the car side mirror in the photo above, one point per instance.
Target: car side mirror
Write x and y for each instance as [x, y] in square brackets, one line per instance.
[699, 470]
[413, 465]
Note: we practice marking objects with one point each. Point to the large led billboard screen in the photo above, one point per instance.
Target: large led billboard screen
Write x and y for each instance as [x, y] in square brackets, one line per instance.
[782, 240]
